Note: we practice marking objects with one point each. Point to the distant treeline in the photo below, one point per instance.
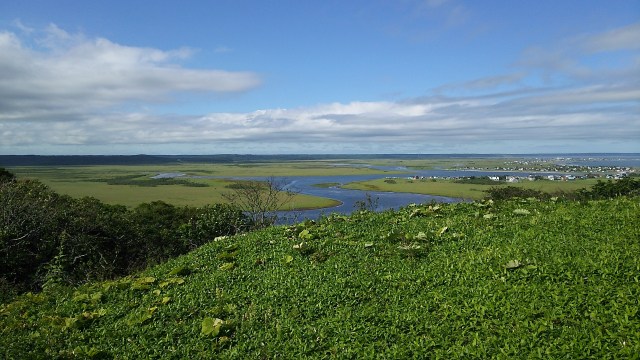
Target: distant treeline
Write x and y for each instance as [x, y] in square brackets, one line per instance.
[142, 159]
[68, 160]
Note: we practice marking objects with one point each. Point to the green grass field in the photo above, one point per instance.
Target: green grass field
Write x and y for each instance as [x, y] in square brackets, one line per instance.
[504, 280]
[465, 191]
[79, 181]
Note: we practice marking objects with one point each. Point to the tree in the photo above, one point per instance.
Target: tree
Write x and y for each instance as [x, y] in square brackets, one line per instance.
[92, 242]
[30, 216]
[156, 232]
[212, 221]
[260, 200]
[6, 176]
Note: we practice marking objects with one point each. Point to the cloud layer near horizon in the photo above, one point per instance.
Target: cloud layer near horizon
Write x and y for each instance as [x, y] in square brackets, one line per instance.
[59, 89]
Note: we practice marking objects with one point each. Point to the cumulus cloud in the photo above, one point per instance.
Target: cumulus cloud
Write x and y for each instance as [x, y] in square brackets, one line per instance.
[44, 76]
[92, 76]
[546, 115]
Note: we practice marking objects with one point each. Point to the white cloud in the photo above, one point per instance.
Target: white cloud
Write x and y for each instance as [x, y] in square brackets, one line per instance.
[71, 75]
[624, 38]
[546, 115]
[615, 50]
[68, 97]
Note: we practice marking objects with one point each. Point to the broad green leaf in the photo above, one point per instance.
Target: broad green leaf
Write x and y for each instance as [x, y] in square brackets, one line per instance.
[300, 246]
[443, 230]
[181, 271]
[176, 280]
[227, 266]
[211, 326]
[421, 236]
[513, 264]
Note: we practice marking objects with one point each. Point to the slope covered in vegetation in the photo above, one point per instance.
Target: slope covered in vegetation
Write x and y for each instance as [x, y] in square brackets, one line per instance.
[510, 279]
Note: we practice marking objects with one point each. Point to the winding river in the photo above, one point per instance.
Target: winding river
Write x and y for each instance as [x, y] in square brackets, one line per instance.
[349, 198]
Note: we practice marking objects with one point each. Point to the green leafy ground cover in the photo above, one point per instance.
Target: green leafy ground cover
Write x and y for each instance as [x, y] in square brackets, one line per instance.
[515, 279]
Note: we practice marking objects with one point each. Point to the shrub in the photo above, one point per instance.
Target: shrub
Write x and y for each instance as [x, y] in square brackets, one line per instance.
[212, 221]
[611, 189]
[155, 226]
[30, 215]
[509, 192]
[6, 176]
[92, 242]
[48, 239]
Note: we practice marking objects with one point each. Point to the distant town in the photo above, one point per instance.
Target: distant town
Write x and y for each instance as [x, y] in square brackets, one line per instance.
[538, 169]
[550, 166]
[515, 178]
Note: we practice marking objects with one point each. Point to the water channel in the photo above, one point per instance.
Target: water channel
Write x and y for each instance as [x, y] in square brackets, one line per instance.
[349, 198]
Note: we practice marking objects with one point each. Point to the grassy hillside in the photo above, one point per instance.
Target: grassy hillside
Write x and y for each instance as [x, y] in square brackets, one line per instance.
[519, 279]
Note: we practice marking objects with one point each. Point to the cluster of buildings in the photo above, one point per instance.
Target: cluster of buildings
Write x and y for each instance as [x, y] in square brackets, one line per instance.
[544, 166]
[529, 177]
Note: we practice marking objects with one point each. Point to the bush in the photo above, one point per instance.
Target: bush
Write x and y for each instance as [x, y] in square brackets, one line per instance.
[6, 176]
[212, 221]
[509, 192]
[157, 238]
[48, 239]
[611, 189]
[30, 216]
[92, 243]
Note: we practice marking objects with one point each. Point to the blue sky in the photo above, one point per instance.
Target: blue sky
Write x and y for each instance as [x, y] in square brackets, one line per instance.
[376, 76]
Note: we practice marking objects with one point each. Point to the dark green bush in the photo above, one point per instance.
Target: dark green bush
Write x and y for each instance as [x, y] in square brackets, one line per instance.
[212, 221]
[157, 237]
[6, 176]
[48, 239]
[628, 186]
[30, 216]
[509, 192]
[611, 189]
[92, 243]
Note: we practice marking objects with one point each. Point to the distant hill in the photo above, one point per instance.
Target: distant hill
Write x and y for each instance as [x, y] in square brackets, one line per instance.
[52, 160]
[142, 159]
